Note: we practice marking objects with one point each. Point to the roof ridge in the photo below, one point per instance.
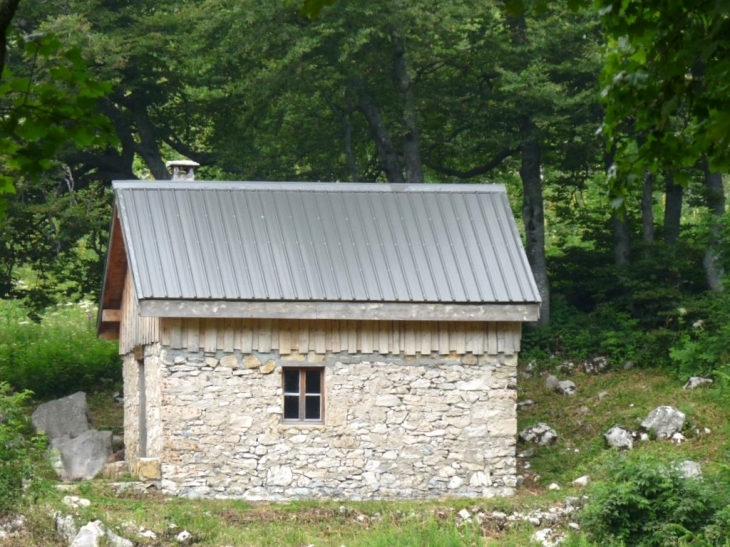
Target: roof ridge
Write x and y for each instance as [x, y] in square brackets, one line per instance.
[350, 187]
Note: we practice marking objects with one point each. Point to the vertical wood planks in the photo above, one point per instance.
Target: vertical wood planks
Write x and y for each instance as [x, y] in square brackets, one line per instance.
[321, 336]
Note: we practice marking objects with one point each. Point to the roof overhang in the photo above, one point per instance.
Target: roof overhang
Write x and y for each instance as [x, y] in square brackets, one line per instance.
[378, 311]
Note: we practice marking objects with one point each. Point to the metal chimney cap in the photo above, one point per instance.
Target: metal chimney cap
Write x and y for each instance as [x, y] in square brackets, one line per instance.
[182, 163]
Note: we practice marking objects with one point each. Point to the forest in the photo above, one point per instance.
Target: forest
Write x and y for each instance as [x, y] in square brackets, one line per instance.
[608, 122]
[613, 163]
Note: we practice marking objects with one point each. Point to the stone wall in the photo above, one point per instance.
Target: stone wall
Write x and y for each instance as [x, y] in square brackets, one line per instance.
[130, 372]
[395, 427]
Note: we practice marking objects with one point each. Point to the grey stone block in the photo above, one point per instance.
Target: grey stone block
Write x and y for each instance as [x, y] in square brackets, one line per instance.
[83, 457]
[66, 417]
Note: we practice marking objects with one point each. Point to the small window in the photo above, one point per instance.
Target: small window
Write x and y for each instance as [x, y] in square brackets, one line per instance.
[303, 394]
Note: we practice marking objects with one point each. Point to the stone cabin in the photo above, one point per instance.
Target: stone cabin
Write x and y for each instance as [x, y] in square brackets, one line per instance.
[323, 340]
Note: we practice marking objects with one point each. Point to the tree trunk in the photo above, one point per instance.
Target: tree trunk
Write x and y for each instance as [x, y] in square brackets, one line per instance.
[672, 209]
[345, 116]
[647, 210]
[621, 239]
[411, 145]
[716, 203]
[7, 12]
[619, 223]
[534, 219]
[386, 151]
[148, 147]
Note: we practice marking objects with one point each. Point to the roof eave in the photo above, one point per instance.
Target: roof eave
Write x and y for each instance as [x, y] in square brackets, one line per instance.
[382, 311]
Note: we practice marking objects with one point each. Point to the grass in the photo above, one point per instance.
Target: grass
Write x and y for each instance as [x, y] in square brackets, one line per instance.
[580, 421]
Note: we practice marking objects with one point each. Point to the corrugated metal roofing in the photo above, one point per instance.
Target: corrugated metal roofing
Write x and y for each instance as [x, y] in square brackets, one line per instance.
[323, 242]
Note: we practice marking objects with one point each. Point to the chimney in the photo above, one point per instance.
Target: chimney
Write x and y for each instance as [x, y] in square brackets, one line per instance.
[182, 169]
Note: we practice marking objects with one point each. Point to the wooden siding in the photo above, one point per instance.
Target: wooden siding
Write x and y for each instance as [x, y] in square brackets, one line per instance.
[135, 330]
[321, 336]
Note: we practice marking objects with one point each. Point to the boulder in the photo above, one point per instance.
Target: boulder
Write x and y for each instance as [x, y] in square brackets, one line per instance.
[697, 381]
[566, 387]
[689, 469]
[551, 382]
[582, 482]
[617, 437]
[540, 434]
[67, 417]
[83, 457]
[665, 421]
[89, 535]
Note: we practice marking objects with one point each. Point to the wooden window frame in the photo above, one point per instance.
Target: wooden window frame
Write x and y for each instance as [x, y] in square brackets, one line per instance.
[302, 395]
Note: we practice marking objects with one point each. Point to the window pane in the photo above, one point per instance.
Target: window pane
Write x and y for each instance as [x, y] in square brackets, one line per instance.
[291, 407]
[314, 384]
[313, 404]
[291, 381]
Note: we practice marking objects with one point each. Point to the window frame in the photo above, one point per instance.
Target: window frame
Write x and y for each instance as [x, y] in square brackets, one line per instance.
[302, 395]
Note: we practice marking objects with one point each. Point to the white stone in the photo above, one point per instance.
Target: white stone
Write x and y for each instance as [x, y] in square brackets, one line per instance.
[566, 387]
[478, 384]
[697, 381]
[479, 479]
[582, 482]
[665, 421]
[184, 538]
[455, 482]
[540, 434]
[689, 469]
[230, 361]
[619, 438]
[554, 486]
[551, 382]
[89, 535]
[279, 475]
[464, 514]
[387, 400]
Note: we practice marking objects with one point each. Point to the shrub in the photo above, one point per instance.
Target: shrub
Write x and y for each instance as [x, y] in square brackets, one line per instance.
[645, 502]
[21, 452]
[56, 356]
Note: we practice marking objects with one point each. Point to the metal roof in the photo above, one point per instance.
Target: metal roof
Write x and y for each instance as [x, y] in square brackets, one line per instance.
[448, 243]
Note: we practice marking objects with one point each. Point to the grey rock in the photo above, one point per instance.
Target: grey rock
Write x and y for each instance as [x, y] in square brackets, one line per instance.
[540, 434]
[551, 382]
[697, 381]
[116, 541]
[595, 365]
[83, 457]
[628, 365]
[618, 437]
[89, 535]
[66, 417]
[184, 538]
[665, 421]
[582, 482]
[566, 387]
[689, 469]
[523, 404]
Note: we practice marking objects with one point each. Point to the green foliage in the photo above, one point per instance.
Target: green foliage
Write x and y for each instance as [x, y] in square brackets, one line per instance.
[428, 533]
[665, 81]
[48, 102]
[704, 345]
[21, 452]
[643, 501]
[59, 354]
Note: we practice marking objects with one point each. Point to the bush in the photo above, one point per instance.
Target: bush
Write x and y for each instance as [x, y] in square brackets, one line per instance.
[645, 502]
[21, 452]
[56, 356]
